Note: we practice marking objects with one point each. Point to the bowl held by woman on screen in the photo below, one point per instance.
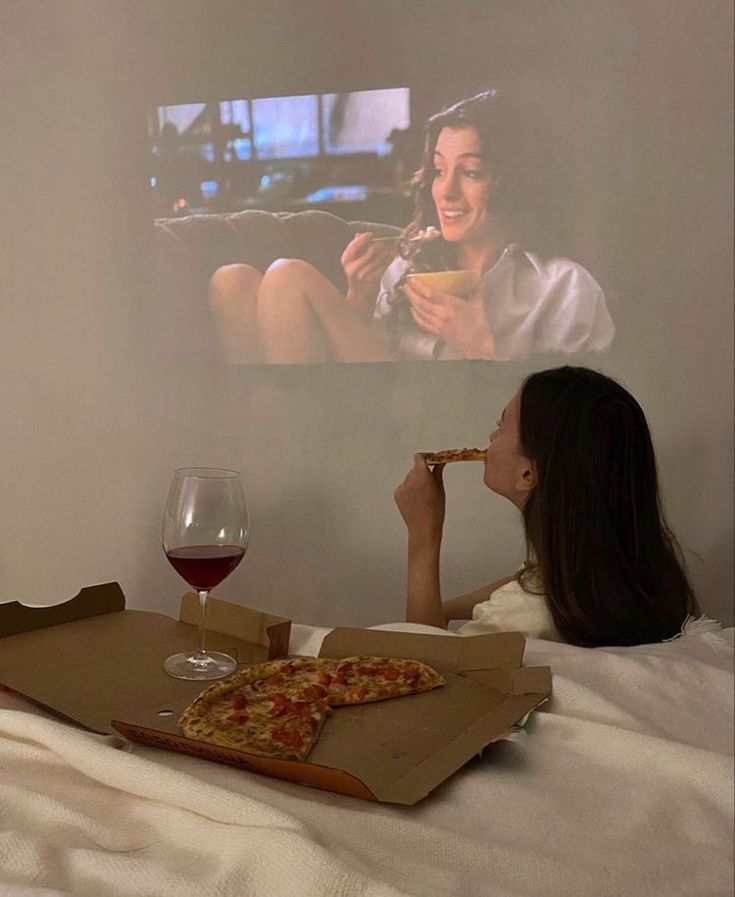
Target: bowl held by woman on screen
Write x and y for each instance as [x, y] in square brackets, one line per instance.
[478, 195]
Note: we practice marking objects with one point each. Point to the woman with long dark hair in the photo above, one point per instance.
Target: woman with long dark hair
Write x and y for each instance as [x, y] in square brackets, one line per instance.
[484, 193]
[573, 452]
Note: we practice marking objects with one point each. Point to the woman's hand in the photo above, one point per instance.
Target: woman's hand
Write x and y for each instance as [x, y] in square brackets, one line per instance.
[364, 263]
[421, 501]
[461, 323]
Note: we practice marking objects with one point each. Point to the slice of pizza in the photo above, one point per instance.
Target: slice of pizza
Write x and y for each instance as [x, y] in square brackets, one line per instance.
[447, 456]
[294, 674]
[359, 680]
[270, 723]
[278, 708]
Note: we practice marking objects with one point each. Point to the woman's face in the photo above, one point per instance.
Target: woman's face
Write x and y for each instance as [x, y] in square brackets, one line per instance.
[461, 186]
[507, 470]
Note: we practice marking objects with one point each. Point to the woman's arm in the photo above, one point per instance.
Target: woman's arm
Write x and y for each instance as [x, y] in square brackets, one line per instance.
[423, 593]
[421, 501]
[461, 606]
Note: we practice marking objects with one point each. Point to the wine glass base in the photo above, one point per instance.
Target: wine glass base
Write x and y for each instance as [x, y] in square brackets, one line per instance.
[213, 665]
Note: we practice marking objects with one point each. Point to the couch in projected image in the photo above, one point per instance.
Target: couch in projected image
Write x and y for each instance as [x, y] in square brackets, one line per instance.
[188, 250]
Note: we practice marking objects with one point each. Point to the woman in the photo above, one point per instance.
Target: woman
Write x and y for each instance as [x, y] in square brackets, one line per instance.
[479, 188]
[573, 452]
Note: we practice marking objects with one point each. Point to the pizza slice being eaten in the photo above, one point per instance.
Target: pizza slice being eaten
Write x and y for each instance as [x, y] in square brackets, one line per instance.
[447, 456]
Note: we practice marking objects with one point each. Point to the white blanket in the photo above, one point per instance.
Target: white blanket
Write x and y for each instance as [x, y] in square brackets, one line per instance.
[622, 786]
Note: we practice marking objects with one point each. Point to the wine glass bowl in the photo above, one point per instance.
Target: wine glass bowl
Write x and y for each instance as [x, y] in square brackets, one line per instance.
[205, 566]
[205, 533]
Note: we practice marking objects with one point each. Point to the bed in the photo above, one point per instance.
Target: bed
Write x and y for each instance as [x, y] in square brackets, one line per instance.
[621, 784]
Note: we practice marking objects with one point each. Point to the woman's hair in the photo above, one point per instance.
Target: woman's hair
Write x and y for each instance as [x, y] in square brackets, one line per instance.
[611, 569]
[512, 148]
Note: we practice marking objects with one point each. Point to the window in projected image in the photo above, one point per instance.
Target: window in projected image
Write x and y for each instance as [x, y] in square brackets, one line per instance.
[286, 127]
[235, 127]
[362, 122]
[187, 130]
[334, 151]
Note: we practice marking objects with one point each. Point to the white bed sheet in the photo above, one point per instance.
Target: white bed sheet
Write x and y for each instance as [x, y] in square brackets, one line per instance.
[622, 786]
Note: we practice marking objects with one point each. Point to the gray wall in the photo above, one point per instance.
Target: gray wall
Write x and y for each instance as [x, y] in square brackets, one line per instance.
[97, 410]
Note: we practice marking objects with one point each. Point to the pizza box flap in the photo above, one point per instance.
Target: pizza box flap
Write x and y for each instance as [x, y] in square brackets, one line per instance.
[89, 660]
[497, 651]
[92, 601]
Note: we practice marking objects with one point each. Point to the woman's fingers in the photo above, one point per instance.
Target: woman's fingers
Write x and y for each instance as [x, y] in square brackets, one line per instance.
[362, 248]
[426, 322]
[422, 474]
[429, 314]
[461, 323]
[364, 261]
[421, 494]
[421, 501]
[357, 245]
[376, 267]
[418, 476]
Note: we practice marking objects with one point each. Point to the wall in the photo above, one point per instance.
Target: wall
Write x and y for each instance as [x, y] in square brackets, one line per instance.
[97, 411]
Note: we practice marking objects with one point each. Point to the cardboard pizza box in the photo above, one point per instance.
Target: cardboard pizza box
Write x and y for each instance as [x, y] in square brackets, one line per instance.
[395, 751]
[90, 660]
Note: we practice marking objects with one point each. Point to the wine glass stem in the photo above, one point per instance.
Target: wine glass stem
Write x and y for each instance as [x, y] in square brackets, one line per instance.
[202, 652]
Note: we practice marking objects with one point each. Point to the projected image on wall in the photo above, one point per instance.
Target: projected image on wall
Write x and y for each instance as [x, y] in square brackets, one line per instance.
[341, 227]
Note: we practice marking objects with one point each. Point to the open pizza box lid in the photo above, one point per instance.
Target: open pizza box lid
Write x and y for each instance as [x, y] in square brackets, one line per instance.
[105, 672]
[91, 661]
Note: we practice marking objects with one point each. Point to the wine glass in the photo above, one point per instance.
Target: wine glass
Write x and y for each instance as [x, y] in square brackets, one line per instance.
[205, 532]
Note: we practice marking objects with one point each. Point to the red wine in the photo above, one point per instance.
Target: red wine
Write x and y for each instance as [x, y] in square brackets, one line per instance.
[205, 566]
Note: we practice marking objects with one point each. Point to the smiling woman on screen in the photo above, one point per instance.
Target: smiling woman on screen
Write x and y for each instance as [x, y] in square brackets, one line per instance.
[572, 451]
[478, 203]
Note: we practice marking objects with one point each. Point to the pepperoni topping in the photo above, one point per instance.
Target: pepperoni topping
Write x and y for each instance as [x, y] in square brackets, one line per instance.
[313, 692]
[288, 737]
[367, 671]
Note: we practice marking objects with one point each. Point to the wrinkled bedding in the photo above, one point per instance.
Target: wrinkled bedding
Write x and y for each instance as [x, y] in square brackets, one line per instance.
[621, 785]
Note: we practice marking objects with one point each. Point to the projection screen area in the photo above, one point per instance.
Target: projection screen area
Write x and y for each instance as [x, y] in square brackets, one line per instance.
[393, 235]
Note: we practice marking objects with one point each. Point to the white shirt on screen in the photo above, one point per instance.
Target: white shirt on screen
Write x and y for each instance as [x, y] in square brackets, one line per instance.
[511, 609]
[533, 306]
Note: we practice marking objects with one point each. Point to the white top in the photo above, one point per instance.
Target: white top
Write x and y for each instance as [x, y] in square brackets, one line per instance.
[533, 306]
[511, 609]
